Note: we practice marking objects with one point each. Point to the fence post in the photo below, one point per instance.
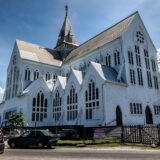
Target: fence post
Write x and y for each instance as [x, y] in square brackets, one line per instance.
[140, 133]
[122, 132]
[158, 129]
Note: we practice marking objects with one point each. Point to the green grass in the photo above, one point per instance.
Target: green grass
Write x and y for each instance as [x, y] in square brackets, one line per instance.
[88, 142]
[101, 144]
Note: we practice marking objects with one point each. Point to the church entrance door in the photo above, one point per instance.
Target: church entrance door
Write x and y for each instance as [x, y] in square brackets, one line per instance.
[148, 113]
[118, 116]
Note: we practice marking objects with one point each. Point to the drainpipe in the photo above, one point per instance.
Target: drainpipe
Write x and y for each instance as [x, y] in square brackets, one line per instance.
[103, 106]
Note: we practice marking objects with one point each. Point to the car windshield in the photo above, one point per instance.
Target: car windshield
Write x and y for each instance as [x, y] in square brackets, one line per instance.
[47, 133]
[25, 134]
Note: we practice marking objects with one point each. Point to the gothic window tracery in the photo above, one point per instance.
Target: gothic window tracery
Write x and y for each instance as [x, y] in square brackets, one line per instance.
[72, 104]
[47, 76]
[36, 75]
[108, 60]
[138, 63]
[132, 76]
[153, 65]
[39, 107]
[54, 78]
[27, 74]
[57, 106]
[147, 63]
[130, 57]
[92, 100]
[116, 57]
[155, 77]
[146, 59]
[140, 36]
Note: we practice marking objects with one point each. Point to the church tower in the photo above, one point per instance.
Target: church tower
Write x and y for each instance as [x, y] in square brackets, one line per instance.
[66, 39]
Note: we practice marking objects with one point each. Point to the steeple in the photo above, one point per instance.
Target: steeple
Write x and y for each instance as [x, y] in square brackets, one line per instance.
[66, 40]
[66, 33]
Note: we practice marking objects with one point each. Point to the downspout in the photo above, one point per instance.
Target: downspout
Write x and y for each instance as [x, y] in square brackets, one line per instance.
[104, 109]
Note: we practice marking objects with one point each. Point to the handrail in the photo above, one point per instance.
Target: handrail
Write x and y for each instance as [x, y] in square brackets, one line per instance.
[110, 122]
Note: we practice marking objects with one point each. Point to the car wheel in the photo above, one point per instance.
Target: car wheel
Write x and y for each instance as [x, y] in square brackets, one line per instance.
[1, 152]
[40, 145]
[13, 145]
[49, 146]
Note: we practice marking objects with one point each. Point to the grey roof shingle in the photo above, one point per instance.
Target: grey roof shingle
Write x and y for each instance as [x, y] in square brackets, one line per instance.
[107, 73]
[99, 40]
[36, 53]
[110, 74]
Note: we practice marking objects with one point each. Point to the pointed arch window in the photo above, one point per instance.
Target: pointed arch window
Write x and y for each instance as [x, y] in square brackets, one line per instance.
[54, 78]
[39, 107]
[14, 82]
[36, 75]
[92, 100]
[155, 78]
[48, 76]
[138, 57]
[130, 58]
[149, 79]
[140, 36]
[153, 65]
[138, 63]
[72, 104]
[140, 78]
[27, 74]
[57, 106]
[146, 59]
[116, 57]
[108, 60]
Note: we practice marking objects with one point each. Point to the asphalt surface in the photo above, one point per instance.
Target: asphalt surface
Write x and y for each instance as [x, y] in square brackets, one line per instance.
[79, 154]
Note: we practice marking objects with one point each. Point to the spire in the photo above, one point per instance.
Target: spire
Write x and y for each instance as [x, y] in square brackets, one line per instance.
[66, 7]
[66, 33]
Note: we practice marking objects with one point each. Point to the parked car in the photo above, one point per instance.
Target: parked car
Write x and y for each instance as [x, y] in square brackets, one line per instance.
[34, 138]
[69, 134]
[11, 133]
[1, 142]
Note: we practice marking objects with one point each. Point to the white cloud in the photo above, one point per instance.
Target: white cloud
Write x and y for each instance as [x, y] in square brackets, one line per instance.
[1, 93]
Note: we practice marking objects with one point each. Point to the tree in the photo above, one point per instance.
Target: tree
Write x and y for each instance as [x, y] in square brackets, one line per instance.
[16, 119]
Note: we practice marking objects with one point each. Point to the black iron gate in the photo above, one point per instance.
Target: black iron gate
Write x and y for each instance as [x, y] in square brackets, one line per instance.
[141, 134]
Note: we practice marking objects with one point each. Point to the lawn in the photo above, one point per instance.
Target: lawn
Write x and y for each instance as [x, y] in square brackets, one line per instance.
[101, 144]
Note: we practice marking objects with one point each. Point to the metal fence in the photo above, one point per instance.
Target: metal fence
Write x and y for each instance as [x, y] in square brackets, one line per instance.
[141, 134]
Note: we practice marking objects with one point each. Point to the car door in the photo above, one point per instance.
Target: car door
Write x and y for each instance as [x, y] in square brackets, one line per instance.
[22, 141]
[32, 138]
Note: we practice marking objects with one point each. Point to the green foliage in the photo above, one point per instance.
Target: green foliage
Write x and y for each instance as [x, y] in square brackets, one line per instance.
[16, 119]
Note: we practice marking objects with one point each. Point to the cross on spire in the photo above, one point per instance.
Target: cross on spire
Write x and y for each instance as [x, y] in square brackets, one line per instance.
[66, 7]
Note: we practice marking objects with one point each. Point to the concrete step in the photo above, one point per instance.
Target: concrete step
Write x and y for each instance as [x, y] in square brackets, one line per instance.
[113, 133]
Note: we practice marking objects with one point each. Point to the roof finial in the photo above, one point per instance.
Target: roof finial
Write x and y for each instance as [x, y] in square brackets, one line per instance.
[66, 7]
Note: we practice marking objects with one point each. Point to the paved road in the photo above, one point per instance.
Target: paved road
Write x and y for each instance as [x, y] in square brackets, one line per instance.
[78, 154]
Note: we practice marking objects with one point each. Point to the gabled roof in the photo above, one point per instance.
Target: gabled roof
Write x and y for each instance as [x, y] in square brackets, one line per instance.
[78, 75]
[62, 81]
[101, 39]
[36, 53]
[50, 84]
[106, 73]
[32, 86]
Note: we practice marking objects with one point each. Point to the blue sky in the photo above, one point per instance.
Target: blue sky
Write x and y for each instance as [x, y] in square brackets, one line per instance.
[39, 21]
